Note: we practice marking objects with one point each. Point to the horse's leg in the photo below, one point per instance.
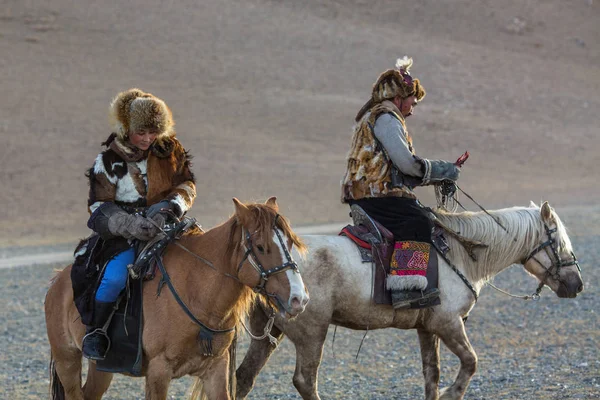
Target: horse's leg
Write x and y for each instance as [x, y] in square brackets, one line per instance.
[158, 378]
[430, 356]
[455, 338]
[309, 350]
[67, 365]
[257, 355]
[65, 356]
[216, 383]
[97, 383]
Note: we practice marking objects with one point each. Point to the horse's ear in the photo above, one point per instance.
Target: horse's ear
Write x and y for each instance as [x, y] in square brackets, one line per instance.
[242, 212]
[546, 212]
[272, 202]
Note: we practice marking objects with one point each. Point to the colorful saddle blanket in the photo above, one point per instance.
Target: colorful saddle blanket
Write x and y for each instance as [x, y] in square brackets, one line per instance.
[413, 259]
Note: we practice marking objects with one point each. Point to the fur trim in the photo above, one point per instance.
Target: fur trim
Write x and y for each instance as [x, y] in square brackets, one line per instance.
[419, 90]
[164, 148]
[368, 105]
[127, 151]
[134, 110]
[368, 171]
[410, 282]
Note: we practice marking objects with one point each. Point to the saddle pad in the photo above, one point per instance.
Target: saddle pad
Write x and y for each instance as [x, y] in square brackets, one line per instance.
[347, 231]
[410, 258]
[382, 295]
[125, 333]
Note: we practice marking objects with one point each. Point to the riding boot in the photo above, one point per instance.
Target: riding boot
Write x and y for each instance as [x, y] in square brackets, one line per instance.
[96, 342]
[406, 299]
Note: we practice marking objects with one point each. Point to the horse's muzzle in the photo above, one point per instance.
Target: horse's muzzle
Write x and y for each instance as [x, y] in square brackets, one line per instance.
[570, 290]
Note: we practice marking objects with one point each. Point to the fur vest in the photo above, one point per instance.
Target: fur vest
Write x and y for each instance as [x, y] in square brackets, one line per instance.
[122, 176]
[369, 169]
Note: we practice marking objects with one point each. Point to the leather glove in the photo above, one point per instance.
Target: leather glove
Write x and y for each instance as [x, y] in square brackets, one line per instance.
[443, 170]
[159, 207]
[160, 219]
[131, 226]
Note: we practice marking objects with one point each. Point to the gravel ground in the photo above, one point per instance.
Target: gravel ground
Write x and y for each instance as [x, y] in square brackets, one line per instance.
[548, 349]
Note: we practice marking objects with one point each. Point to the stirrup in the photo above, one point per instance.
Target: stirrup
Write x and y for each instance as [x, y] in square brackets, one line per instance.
[102, 341]
[405, 299]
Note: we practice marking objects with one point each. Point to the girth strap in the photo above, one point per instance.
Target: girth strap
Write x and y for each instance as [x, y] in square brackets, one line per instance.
[206, 334]
[460, 275]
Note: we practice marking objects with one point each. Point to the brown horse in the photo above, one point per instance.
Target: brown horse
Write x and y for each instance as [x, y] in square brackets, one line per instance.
[250, 250]
[341, 289]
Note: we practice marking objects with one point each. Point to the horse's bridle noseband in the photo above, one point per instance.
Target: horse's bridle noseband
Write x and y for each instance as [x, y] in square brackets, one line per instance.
[255, 262]
[551, 249]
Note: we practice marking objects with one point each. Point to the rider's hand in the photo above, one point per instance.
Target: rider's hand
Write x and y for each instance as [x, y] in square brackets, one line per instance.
[452, 173]
[160, 219]
[132, 226]
[162, 206]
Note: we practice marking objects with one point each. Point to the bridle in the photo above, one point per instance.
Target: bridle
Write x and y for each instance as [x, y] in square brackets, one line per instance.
[206, 333]
[551, 249]
[251, 257]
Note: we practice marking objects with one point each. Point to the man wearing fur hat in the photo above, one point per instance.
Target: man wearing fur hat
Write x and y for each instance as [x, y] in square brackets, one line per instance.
[382, 172]
[144, 167]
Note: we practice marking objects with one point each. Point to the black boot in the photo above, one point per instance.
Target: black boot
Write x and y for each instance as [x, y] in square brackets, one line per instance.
[405, 299]
[96, 342]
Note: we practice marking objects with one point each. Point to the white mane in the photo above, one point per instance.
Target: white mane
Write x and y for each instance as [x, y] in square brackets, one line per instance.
[525, 232]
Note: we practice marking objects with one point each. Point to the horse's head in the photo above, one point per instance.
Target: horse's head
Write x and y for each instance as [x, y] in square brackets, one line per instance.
[552, 261]
[266, 263]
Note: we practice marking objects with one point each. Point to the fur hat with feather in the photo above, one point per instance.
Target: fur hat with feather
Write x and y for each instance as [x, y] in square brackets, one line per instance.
[392, 83]
[135, 110]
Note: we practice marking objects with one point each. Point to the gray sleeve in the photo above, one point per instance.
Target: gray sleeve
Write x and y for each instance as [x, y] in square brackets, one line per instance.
[390, 133]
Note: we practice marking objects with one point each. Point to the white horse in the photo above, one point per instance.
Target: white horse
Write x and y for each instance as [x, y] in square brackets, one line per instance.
[341, 287]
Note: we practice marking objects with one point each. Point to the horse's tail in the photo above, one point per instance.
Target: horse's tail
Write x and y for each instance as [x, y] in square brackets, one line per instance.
[197, 391]
[57, 391]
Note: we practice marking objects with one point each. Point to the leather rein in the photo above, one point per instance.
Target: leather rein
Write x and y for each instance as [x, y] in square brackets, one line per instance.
[551, 249]
[206, 333]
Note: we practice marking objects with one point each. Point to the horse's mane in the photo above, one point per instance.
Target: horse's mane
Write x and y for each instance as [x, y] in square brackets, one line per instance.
[524, 225]
[264, 215]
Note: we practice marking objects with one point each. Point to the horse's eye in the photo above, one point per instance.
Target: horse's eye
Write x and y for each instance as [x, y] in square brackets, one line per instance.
[260, 248]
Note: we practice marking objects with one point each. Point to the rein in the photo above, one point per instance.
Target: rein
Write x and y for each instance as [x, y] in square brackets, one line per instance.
[557, 263]
[266, 330]
[535, 296]
[206, 334]
[460, 274]
[445, 193]
[448, 194]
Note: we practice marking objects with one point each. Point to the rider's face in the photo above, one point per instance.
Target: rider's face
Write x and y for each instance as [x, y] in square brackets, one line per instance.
[407, 105]
[143, 139]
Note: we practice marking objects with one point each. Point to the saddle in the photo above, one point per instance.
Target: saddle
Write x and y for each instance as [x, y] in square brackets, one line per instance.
[377, 245]
[125, 329]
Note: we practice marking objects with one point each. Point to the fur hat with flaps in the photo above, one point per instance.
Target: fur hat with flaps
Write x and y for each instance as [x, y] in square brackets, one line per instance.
[134, 110]
[392, 83]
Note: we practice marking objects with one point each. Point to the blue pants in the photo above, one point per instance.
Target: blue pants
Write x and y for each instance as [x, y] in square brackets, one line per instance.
[115, 276]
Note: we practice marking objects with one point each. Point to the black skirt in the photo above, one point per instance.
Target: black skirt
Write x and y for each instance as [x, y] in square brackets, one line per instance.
[402, 216]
